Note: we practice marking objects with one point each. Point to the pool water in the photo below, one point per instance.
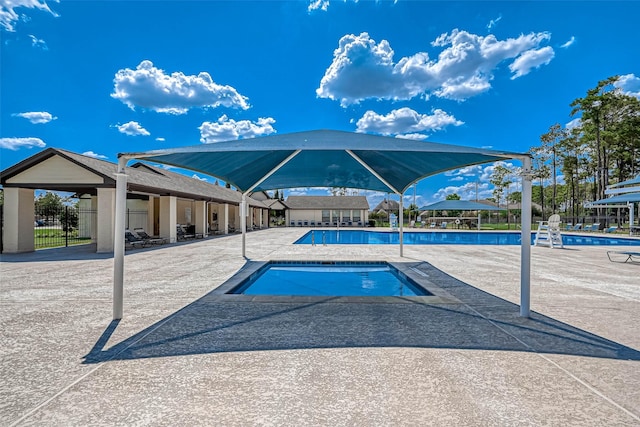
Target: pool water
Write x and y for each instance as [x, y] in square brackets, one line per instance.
[329, 279]
[362, 237]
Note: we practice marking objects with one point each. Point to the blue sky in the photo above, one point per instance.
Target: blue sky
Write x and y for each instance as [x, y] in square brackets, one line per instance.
[119, 76]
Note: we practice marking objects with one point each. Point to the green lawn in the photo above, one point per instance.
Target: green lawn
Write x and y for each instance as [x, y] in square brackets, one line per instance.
[55, 237]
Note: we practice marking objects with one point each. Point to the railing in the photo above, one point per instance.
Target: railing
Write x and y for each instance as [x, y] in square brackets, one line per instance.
[63, 226]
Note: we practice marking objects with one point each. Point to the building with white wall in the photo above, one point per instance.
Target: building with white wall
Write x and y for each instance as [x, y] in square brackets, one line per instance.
[157, 199]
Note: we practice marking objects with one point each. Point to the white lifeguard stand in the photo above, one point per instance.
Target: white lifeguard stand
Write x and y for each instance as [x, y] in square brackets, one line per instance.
[548, 233]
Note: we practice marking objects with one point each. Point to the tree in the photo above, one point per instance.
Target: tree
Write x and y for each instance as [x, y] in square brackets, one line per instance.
[549, 142]
[501, 179]
[49, 204]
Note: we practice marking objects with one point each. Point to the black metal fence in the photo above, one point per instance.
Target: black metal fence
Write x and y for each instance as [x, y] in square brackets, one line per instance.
[63, 226]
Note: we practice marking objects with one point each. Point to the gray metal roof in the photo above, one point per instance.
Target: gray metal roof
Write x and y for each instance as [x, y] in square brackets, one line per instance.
[323, 158]
[621, 198]
[327, 202]
[141, 177]
[460, 205]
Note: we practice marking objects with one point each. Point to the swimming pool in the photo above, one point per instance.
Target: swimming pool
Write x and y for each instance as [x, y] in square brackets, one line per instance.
[363, 237]
[329, 278]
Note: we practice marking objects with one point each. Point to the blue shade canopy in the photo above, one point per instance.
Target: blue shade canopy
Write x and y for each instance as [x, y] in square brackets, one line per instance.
[459, 205]
[621, 198]
[325, 159]
[633, 181]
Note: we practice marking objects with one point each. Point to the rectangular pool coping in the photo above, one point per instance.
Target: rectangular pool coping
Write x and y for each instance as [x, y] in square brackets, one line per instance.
[410, 270]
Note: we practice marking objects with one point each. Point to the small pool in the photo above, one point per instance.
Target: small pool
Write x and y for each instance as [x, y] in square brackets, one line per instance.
[330, 278]
[363, 237]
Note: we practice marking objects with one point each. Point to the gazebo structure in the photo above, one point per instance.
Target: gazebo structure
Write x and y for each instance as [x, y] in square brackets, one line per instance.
[322, 158]
[460, 205]
[624, 194]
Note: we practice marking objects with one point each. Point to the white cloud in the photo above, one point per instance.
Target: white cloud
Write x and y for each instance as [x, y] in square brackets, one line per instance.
[530, 59]
[363, 69]
[133, 129]
[160, 139]
[405, 120]
[149, 87]
[629, 84]
[36, 42]
[475, 176]
[493, 22]
[94, 155]
[16, 143]
[468, 171]
[36, 117]
[568, 43]
[573, 124]
[226, 129]
[318, 4]
[9, 17]
[414, 136]
[466, 191]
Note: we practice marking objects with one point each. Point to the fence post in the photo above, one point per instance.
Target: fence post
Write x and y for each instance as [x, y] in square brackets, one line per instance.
[66, 226]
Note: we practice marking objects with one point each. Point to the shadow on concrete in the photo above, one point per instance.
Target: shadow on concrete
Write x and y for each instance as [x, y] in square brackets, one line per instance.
[215, 323]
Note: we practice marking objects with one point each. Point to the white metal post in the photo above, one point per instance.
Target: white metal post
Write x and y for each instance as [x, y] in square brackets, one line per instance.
[632, 207]
[243, 222]
[401, 218]
[118, 239]
[525, 253]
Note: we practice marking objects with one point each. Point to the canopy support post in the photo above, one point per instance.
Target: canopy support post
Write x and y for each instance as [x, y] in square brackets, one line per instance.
[401, 220]
[525, 248]
[243, 223]
[118, 239]
[632, 208]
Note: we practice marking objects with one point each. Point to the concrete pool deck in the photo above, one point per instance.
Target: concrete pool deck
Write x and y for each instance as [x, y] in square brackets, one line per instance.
[184, 355]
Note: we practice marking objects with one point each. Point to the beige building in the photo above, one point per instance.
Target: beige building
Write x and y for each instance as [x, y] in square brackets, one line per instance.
[326, 211]
[161, 199]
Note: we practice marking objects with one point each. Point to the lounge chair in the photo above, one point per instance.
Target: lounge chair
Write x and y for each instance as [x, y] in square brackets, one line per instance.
[626, 256]
[154, 240]
[577, 227]
[432, 225]
[595, 226]
[569, 226]
[611, 229]
[443, 224]
[133, 241]
[181, 234]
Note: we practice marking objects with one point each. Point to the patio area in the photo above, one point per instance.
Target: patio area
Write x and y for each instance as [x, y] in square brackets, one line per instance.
[185, 355]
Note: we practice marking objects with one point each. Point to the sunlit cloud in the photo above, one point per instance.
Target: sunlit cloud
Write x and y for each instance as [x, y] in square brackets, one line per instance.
[629, 84]
[9, 16]
[160, 139]
[150, 87]
[365, 69]
[318, 5]
[39, 43]
[493, 23]
[36, 117]
[133, 129]
[94, 155]
[405, 120]
[226, 129]
[568, 43]
[17, 143]
[531, 59]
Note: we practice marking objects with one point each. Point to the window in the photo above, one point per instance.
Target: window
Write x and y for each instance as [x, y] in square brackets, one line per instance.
[356, 215]
[326, 216]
